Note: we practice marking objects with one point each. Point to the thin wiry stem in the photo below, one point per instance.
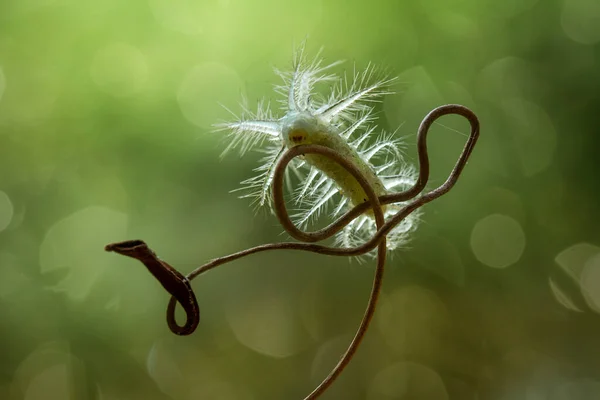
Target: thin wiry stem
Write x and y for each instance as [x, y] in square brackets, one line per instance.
[182, 292]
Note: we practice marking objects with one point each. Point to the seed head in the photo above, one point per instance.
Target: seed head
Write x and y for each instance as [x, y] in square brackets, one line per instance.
[344, 121]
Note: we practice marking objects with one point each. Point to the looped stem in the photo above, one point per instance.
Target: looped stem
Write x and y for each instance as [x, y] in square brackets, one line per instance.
[412, 192]
[179, 287]
[174, 282]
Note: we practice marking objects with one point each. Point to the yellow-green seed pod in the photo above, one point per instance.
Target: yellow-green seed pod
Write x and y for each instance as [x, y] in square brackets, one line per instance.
[303, 128]
[342, 122]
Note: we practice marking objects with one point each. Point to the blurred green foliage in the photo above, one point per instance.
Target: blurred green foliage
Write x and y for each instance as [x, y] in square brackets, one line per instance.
[105, 134]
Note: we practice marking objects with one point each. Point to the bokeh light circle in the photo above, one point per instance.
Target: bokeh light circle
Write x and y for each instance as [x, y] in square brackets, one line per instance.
[74, 243]
[580, 20]
[497, 241]
[48, 372]
[53, 382]
[590, 282]
[561, 297]
[574, 258]
[119, 69]
[6, 211]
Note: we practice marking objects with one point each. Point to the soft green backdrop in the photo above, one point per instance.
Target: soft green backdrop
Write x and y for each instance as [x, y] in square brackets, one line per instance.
[106, 110]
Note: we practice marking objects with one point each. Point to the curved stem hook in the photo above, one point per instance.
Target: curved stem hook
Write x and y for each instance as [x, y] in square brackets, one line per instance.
[174, 282]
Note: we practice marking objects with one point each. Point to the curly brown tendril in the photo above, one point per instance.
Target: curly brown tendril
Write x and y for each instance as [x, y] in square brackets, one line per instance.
[174, 282]
[179, 287]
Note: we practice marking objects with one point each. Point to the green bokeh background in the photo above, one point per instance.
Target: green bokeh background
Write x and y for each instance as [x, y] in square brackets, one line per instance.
[105, 134]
